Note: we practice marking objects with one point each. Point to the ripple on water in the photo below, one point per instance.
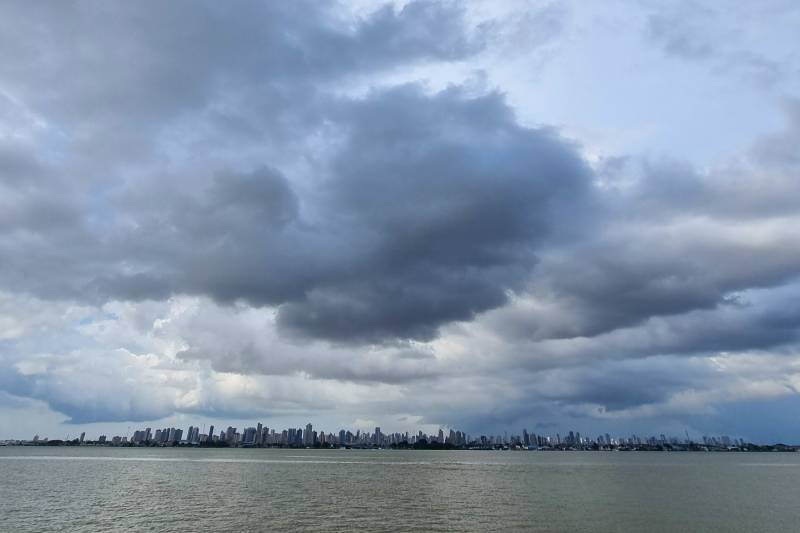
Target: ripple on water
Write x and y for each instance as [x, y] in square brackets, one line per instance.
[190, 490]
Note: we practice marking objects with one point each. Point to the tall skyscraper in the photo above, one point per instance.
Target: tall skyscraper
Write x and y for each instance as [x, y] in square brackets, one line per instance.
[249, 437]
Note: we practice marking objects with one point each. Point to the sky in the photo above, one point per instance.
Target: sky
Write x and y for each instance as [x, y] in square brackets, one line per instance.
[481, 215]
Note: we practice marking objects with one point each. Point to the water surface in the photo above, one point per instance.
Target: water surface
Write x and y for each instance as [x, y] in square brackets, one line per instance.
[172, 489]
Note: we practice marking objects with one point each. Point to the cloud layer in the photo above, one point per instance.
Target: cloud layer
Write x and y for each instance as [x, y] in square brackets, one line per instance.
[267, 211]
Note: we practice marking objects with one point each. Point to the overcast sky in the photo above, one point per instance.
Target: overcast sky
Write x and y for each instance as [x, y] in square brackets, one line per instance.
[482, 215]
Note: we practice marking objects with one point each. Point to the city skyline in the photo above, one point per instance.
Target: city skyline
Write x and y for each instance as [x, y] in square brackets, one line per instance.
[401, 213]
[261, 435]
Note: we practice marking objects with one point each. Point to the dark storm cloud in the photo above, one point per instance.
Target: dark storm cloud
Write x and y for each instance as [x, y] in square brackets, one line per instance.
[260, 157]
[668, 239]
[612, 386]
[417, 210]
[78, 58]
[618, 285]
[431, 210]
[735, 327]
[445, 199]
[426, 208]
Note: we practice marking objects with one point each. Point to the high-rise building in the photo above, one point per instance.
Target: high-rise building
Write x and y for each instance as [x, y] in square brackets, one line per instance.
[249, 437]
[176, 435]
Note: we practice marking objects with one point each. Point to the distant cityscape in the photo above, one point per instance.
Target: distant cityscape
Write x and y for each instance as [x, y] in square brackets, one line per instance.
[261, 436]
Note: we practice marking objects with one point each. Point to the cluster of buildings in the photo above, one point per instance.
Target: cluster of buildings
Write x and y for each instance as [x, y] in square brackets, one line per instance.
[261, 436]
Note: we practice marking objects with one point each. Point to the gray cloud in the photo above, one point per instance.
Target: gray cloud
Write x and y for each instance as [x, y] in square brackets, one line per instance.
[155, 59]
[469, 189]
[445, 200]
[431, 210]
[241, 212]
[667, 239]
[683, 30]
[701, 32]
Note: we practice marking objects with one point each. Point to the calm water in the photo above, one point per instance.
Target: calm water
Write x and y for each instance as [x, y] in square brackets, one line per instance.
[85, 489]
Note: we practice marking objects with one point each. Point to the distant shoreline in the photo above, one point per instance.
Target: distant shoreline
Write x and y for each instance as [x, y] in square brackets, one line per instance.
[691, 447]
